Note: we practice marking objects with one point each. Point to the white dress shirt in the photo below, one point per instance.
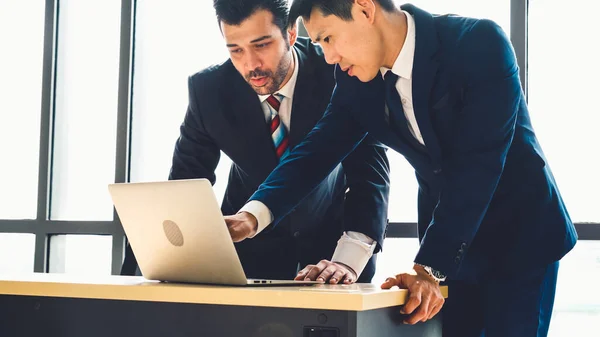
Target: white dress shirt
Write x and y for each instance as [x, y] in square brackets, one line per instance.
[403, 68]
[353, 249]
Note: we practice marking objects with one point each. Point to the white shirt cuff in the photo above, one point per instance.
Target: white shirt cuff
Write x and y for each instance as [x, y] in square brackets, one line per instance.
[354, 250]
[261, 212]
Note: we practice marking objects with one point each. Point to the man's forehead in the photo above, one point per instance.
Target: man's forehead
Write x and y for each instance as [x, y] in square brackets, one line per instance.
[318, 29]
[250, 34]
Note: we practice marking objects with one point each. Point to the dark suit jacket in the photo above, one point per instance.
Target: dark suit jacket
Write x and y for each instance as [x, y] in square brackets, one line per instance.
[225, 114]
[486, 194]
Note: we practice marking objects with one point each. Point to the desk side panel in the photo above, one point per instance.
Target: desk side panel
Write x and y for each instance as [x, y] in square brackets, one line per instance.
[388, 322]
[28, 316]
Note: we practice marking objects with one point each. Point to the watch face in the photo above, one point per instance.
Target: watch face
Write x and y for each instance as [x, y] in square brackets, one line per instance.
[437, 274]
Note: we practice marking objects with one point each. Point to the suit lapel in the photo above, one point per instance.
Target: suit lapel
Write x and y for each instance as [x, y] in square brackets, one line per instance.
[246, 117]
[376, 120]
[306, 110]
[425, 68]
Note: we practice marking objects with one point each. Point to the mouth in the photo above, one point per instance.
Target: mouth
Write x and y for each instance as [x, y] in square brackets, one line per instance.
[348, 70]
[259, 81]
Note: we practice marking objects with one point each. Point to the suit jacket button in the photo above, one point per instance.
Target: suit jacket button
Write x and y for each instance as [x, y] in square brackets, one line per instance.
[296, 234]
[457, 260]
[437, 171]
[463, 246]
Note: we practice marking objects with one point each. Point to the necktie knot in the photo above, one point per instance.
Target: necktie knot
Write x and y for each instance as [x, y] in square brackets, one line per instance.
[274, 101]
[390, 79]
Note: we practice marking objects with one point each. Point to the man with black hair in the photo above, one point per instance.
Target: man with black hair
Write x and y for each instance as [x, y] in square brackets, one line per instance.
[255, 107]
[444, 91]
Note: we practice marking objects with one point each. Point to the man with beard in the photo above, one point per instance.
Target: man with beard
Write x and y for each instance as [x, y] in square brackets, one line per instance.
[255, 107]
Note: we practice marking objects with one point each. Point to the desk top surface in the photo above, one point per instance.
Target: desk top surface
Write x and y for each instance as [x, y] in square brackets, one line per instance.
[355, 297]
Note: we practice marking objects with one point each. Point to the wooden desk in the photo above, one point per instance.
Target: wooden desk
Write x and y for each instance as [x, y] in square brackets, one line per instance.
[60, 305]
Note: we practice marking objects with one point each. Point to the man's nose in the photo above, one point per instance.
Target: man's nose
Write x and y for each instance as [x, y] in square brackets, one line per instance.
[331, 55]
[253, 61]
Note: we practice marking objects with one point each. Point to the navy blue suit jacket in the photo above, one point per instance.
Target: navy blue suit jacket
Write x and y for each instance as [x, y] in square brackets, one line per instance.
[486, 194]
[225, 114]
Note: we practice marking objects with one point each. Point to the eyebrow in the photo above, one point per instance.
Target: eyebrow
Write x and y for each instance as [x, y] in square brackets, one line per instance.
[253, 41]
[261, 38]
[318, 38]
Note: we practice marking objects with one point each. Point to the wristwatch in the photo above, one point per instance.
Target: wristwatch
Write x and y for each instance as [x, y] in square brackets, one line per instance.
[434, 274]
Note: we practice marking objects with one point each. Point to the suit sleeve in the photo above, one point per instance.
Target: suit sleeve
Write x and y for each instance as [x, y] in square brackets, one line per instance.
[476, 154]
[367, 172]
[326, 145]
[196, 155]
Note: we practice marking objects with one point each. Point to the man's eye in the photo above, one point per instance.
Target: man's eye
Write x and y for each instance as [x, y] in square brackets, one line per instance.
[326, 40]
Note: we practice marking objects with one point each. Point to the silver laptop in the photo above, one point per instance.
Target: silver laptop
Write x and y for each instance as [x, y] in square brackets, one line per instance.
[178, 234]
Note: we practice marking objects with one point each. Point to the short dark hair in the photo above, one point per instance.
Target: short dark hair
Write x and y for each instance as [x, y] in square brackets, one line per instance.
[233, 12]
[340, 8]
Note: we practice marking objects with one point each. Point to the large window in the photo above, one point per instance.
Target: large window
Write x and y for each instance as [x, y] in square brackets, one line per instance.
[562, 86]
[20, 97]
[173, 40]
[78, 83]
[16, 252]
[86, 109]
[58, 114]
[80, 254]
[577, 303]
[563, 91]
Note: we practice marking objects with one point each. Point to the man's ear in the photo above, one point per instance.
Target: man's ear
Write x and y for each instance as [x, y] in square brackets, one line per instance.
[366, 8]
[292, 34]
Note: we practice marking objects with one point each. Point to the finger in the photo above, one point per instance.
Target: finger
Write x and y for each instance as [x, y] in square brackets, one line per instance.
[312, 273]
[316, 270]
[436, 309]
[349, 273]
[338, 275]
[432, 312]
[303, 272]
[414, 300]
[402, 281]
[421, 313]
[405, 281]
[349, 279]
[389, 283]
[327, 273]
[240, 232]
[233, 232]
[231, 219]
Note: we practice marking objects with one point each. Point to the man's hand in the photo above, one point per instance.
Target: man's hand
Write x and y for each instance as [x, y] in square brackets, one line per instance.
[425, 299]
[241, 226]
[327, 271]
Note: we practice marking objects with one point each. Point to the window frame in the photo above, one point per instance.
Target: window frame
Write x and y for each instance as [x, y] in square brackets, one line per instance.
[44, 228]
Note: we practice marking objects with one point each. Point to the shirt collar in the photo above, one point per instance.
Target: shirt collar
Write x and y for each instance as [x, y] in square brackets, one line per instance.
[288, 89]
[404, 62]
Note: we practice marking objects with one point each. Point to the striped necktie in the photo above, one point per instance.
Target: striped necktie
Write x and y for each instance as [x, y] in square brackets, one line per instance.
[278, 131]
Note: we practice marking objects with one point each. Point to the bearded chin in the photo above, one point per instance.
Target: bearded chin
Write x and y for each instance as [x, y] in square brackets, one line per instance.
[280, 74]
[276, 78]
